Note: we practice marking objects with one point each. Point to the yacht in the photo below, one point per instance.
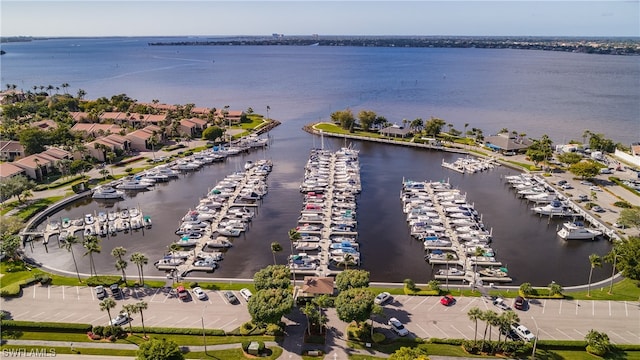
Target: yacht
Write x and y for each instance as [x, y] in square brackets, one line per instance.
[107, 192]
[576, 231]
[555, 208]
[134, 185]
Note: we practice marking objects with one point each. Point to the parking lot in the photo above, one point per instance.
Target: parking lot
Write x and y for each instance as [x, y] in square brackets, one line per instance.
[424, 317]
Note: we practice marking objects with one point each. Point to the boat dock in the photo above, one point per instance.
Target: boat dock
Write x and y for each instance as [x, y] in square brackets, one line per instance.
[470, 165]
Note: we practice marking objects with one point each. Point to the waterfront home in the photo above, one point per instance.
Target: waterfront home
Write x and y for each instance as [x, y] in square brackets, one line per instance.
[313, 286]
[141, 139]
[192, 127]
[111, 142]
[395, 131]
[96, 130]
[8, 170]
[507, 143]
[9, 150]
[37, 166]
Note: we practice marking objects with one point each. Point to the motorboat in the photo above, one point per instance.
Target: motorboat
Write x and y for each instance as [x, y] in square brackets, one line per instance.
[497, 273]
[89, 219]
[90, 230]
[134, 185]
[542, 197]
[308, 227]
[215, 255]
[577, 231]
[112, 216]
[451, 272]
[555, 208]
[305, 246]
[219, 243]
[229, 231]
[124, 214]
[136, 223]
[102, 217]
[66, 222]
[103, 230]
[169, 261]
[146, 220]
[106, 193]
[186, 241]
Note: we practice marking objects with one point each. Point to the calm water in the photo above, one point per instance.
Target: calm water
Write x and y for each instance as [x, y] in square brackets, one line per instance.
[559, 94]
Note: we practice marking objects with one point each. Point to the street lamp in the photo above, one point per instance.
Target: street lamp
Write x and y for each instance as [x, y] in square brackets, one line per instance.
[535, 341]
[204, 337]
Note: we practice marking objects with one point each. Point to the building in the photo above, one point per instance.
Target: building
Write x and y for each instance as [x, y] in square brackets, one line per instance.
[313, 286]
[395, 131]
[38, 166]
[505, 142]
[192, 127]
[10, 150]
[230, 116]
[112, 142]
[96, 130]
[45, 124]
[141, 139]
[8, 170]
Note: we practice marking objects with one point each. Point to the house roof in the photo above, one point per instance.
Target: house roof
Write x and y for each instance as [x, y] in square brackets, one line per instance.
[188, 123]
[317, 285]
[29, 162]
[56, 153]
[46, 124]
[9, 170]
[505, 142]
[200, 110]
[140, 134]
[11, 146]
[79, 115]
[91, 128]
[635, 150]
[395, 130]
[199, 121]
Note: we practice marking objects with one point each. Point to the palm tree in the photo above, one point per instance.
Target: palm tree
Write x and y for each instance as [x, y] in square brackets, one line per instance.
[68, 245]
[507, 318]
[142, 306]
[294, 236]
[347, 258]
[140, 260]
[119, 252]
[555, 288]
[448, 257]
[477, 252]
[474, 315]
[595, 261]
[65, 86]
[81, 94]
[489, 318]
[92, 244]
[526, 289]
[466, 125]
[107, 304]
[130, 309]
[275, 247]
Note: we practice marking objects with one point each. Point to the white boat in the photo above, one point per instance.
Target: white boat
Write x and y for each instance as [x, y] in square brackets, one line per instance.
[451, 272]
[219, 242]
[305, 246]
[107, 192]
[89, 219]
[134, 185]
[229, 231]
[102, 217]
[576, 231]
[169, 261]
[542, 197]
[147, 221]
[555, 208]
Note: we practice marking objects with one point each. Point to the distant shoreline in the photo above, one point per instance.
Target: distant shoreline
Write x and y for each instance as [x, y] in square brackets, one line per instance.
[604, 46]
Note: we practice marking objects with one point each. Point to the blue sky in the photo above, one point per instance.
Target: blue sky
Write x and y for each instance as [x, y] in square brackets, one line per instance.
[470, 17]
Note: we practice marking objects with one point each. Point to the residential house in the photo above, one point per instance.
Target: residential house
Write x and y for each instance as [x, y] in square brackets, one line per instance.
[229, 116]
[46, 124]
[506, 142]
[79, 116]
[395, 131]
[8, 170]
[11, 96]
[313, 286]
[9, 150]
[96, 130]
[113, 142]
[141, 139]
[37, 166]
[192, 127]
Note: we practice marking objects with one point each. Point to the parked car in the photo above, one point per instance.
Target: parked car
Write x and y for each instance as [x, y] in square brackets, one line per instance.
[595, 188]
[567, 186]
[231, 298]
[383, 298]
[115, 290]
[523, 332]
[121, 319]
[562, 182]
[597, 209]
[100, 292]
[397, 327]
[501, 304]
[245, 293]
[447, 300]
[583, 197]
[183, 294]
[199, 293]
[520, 303]
[510, 334]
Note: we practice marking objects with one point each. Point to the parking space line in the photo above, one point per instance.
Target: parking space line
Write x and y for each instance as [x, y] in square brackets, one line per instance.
[577, 306]
[548, 334]
[34, 292]
[48, 292]
[560, 308]
[423, 330]
[563, 333]
[593, 308]
[634, 335]
[81, 317]
[62, 292]
[579, 333]
[460, 332]
[21, 315]
[544, 305]
[621, 337]
[196, 323]
[469, 304]
[437, 327]
[78, 293]
[609, 302]
[37, 316]
[229, 323]
[421, 302]
[626, 310]
[64, 317]
[434, 305]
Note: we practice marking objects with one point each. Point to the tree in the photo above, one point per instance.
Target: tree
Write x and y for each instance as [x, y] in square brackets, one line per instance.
[344, 118]
[506, 319]
[474, 315]
[212, 133]
[555, 289]
[81, 94]
[142, 305]
[104, 173]
[10, 245]
[489, 318]
[434, 126]
[68, 245]
[594, 261]
[355, 305]
[366, 119]
[107, 304]
[34, 140]
[15, 186]
[350, 279]
[570, 158]
[159, 349]
[628, 262]
[434, 285]
[630, 217]
[448, 257]
[410, 353]
[540, 150]
[121, 264]
[268, 306]
[92, 245]
[585, 169]
[272, 277]
[597, 343]
[140, 260]
[130, 309]
[526, 289]
[275, 247]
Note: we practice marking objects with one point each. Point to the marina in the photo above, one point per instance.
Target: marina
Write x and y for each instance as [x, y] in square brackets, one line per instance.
[461, 240]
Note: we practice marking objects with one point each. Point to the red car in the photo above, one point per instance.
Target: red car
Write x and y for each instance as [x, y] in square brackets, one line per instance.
[447, 300]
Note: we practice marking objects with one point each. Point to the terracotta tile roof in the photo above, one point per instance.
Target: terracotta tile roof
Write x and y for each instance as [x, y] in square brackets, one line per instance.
[9, 169]
[45, 124]
[201, 110]
[201, 122]
[30, 163]
[57, 153]
[94, 128]
[317, 285]
[140, 134]
[11, 146]
[79, 115]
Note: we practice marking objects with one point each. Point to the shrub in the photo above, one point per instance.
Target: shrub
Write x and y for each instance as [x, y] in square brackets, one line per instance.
[98, 330]
[180, 331]
[102, 280]
[193, 284]
[378, 337]
[46, 326]
[274, 329]
[622, 204]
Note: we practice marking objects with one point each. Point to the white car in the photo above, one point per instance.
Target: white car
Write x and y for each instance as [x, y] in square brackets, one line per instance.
[100, 292]
[397, 327]
[595, 188]
[121, 319]
[523, 332]
[245, 293]
[383, 298]
[500, 304]
[199, 293]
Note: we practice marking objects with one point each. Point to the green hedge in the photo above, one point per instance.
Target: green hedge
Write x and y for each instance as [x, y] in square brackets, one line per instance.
[562, 344]
[179, 331]
[446, 341]
[15, 289]
[45, 326]
[103, 280]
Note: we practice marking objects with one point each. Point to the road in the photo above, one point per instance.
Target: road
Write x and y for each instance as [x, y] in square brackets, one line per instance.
[424, 317]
